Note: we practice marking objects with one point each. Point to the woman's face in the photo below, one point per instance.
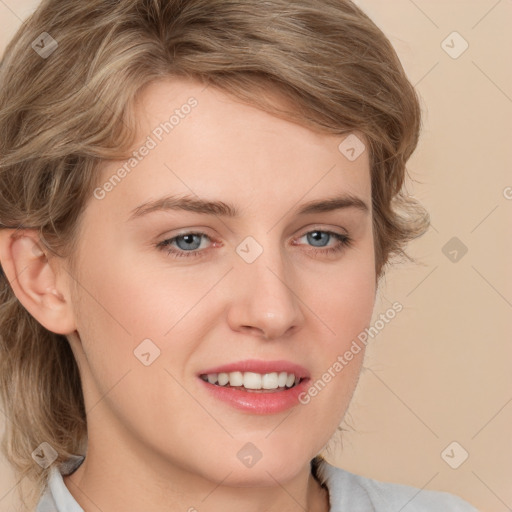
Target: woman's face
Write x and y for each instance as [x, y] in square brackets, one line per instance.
[159, 307]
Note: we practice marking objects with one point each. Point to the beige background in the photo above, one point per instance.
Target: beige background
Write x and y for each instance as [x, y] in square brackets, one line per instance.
[440, 371]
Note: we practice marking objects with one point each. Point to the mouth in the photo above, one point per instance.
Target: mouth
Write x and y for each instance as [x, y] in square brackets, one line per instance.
[272, 382]
[256, 386]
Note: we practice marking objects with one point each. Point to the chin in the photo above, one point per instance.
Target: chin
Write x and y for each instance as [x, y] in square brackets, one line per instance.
[264, 472]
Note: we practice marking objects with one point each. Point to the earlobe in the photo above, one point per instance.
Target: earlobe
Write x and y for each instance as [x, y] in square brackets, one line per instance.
[34, 280]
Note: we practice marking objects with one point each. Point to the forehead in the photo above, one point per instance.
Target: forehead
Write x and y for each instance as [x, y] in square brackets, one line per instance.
[198, 140]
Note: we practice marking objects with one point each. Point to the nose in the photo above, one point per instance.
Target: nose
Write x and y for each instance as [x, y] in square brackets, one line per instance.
[265, 303]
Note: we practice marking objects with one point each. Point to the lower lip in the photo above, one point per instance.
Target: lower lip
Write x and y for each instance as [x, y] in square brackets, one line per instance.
[258, 402]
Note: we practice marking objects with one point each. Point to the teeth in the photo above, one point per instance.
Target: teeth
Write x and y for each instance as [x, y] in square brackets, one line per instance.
[269, 381]
[223, 379]
[251, 380]
[281, 380]
[236, 379]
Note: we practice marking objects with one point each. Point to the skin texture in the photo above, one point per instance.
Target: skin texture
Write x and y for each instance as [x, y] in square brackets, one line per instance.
[156, 436]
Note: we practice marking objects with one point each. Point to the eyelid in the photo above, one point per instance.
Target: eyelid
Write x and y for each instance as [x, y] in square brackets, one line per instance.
[327, 229]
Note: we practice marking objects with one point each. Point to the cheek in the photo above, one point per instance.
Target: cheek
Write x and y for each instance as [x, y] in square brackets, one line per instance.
[122, 323]
[345, 308]
[345, 296]
[131, 300]
[127, 309]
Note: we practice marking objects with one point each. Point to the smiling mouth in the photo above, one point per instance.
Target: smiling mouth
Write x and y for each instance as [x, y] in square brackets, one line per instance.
[254, 382]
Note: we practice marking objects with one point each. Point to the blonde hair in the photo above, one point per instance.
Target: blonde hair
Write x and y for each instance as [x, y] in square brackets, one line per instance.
[62, 113]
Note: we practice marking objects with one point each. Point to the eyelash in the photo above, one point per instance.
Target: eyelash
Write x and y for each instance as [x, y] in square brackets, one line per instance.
[344, 241]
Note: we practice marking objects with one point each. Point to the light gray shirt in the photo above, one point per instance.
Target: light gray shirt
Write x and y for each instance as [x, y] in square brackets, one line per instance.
[348, 492]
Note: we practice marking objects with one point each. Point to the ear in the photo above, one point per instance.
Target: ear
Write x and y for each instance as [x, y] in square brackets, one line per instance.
[33, 279]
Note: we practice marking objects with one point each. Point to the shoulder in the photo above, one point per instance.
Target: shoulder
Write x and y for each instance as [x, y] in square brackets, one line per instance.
[348, 491]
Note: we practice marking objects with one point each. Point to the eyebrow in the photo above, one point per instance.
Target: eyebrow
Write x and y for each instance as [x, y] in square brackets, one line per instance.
[222, 209]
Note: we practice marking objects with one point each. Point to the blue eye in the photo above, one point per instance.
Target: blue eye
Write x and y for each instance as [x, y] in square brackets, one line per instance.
[189, 243]
[186, 243]
[343, 241]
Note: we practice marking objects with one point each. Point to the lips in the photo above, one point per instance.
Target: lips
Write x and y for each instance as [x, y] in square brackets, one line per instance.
[259, 366]
[256, 386]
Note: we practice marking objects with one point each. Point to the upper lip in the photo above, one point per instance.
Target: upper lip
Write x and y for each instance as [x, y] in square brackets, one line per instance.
[259, 366]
